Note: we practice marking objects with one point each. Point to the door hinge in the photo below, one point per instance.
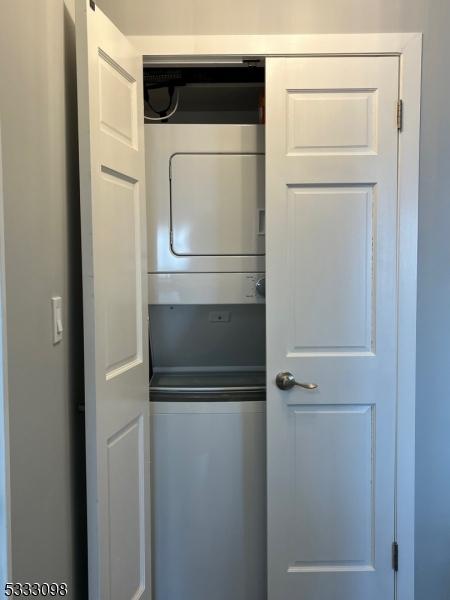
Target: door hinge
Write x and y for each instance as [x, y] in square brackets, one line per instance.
[395, 556]
[92, 4]
[400, 115]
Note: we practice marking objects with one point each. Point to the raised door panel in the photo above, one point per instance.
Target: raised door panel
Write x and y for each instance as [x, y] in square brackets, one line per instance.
[118, 118]
[119, 249]
[126, 511]
[331, 122]
[330, 242]
[332, 509]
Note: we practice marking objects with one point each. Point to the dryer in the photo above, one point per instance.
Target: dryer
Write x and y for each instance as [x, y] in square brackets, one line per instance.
[206, 214]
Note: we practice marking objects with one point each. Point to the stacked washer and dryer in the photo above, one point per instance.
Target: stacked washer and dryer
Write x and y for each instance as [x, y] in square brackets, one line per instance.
[207, 338]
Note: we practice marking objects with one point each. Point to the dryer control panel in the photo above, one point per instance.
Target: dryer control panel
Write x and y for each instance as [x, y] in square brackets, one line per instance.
[206, 288]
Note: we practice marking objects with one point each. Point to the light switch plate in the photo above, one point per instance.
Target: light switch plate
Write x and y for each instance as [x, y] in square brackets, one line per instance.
[57, 319]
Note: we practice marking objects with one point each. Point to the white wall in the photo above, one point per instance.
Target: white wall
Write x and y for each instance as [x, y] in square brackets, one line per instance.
[264, 16]
[432, 17]
[41, 205]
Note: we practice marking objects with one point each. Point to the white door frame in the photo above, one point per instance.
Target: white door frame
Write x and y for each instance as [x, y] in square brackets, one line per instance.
[408, 46]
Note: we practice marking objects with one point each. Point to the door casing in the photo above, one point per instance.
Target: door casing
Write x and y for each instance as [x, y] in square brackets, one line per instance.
[408, 47]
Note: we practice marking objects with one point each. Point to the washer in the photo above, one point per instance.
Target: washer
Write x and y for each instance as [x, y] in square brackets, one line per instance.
[208, 453]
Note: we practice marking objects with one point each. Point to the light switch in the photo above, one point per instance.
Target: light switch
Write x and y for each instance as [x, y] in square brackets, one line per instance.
[57, 319]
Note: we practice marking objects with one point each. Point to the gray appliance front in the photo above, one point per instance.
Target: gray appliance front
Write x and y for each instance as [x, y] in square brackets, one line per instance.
[207, 336]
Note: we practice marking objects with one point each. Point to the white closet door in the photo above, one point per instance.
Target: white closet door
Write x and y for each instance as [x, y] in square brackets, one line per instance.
[331, 200]
[115, 307]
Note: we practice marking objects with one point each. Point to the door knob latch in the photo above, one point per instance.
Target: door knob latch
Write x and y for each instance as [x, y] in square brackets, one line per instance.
[286, 381]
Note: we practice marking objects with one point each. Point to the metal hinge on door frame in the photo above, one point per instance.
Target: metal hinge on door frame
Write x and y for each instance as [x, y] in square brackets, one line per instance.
[395, 556]
[400, 115]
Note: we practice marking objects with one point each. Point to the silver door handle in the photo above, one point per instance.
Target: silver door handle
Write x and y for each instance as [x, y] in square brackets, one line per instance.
[286, 381]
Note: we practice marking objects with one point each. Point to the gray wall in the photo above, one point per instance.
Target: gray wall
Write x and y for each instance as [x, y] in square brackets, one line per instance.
[4, 438]
[432, 17]
[38, 114]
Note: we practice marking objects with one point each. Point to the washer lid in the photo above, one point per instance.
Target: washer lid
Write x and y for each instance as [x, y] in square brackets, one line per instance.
[204, 382]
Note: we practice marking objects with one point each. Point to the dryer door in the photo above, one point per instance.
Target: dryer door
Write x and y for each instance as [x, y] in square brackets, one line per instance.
[217, 204]
[205, 198]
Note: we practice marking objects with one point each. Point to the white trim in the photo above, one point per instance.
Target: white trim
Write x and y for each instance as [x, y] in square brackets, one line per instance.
[408, 196]
[5, 504]
[408, 46]
[270, 45]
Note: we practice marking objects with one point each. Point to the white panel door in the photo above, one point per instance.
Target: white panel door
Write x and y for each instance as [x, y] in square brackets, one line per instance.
[331, 320]
[115, 308]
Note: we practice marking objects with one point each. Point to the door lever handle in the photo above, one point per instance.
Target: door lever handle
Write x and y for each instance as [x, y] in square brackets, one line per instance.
[286, 381]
